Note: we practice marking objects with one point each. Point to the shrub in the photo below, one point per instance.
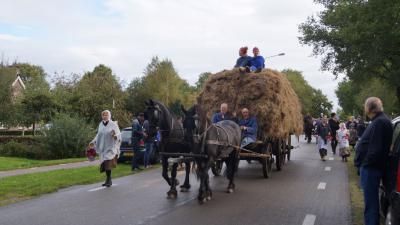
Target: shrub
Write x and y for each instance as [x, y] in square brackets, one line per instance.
[17, 149]
[68, 137]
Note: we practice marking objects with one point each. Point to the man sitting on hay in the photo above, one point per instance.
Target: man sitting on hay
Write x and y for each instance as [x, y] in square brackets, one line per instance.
[224, 114]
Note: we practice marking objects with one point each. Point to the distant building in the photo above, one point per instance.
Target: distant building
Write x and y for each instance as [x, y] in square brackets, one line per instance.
[17, 87]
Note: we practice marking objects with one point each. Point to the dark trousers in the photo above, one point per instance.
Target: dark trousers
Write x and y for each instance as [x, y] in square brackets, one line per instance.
[147, 154]
[136, 154]
[323, 152]
[334, 144]
[370, 181]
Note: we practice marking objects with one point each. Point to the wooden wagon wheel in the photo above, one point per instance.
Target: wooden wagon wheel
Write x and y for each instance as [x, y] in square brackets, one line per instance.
[267, 162]
[217, 168]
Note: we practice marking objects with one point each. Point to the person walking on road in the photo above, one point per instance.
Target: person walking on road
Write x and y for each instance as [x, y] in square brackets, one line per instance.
[342, 137]
[372, 155]
[323, 131]
[137, 136]
[334, 126]
[107, 143]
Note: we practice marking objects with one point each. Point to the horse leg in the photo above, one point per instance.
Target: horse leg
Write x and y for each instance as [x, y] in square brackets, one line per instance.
[208, 188]
[231, 171]
[165, 170]
[202, 172]
[186, 185]
[172, 193]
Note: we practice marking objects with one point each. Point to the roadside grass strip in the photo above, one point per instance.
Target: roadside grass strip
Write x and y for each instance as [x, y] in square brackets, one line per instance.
[14, 163]
[18, 188]
[356, 195]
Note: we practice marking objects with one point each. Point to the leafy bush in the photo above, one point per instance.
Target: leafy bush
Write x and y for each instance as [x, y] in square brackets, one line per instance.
[18, 149]
[68, 137]
[15, 132]
[20, 139]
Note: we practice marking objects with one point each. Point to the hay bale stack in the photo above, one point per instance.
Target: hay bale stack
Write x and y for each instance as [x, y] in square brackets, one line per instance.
[268, 95]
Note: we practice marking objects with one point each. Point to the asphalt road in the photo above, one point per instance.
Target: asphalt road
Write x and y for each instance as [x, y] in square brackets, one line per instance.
[307, 191]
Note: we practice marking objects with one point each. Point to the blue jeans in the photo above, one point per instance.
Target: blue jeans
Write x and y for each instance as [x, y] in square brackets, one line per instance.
[147, 154]
[135, 159]
[370, 181]
[246, 141]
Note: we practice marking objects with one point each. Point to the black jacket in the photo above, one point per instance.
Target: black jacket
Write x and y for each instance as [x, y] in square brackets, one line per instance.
[372, 150]
[334, 125]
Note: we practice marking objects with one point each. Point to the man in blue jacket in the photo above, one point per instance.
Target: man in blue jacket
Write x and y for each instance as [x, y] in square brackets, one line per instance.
[223, 114]
[372, 155]
[248, 125]
[137, 135]
[257, 63]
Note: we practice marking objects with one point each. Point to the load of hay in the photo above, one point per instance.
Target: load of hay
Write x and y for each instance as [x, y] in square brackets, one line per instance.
[268, 95]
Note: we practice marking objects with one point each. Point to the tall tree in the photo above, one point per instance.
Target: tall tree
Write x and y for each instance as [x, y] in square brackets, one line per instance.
[161, 82]
[96, 91]
[313, 101]
[358, 38]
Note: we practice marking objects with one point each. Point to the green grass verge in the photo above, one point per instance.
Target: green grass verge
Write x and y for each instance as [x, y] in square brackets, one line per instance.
[356, 195]
[22, 187]
[13, 163]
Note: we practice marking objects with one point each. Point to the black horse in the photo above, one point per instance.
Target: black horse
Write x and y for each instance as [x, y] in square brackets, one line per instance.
[214, 142]
[173, 140]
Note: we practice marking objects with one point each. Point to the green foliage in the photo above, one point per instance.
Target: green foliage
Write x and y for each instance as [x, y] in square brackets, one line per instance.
[352, 96]
[68, 137]
[7, 76]
[97, 91]
[20, 149]
[313, 101]
[160, 82]
[357, 38]
[202, 79]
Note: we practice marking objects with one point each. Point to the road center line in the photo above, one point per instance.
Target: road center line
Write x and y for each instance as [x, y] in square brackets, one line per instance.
[328, 168]
[309, 219]
[331, 158]
[100, 188]
[321, 186]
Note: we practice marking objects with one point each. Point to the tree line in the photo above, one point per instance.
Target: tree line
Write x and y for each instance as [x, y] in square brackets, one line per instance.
[87, 95]
[359, 39]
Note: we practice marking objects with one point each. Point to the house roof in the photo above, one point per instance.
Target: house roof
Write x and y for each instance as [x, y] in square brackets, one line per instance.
[19, 80]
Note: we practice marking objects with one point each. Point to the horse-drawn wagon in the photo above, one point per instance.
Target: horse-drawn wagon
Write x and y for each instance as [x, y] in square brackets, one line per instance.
[270, 98]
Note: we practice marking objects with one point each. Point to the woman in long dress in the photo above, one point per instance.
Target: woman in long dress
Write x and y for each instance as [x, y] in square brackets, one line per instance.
[107, 143]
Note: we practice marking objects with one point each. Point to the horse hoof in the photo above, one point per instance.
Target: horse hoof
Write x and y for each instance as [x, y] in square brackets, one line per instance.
[208, 198]
[184, 189]
[230, 190]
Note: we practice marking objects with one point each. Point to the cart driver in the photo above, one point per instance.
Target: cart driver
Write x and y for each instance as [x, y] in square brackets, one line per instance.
[248, 125]
[224, 114]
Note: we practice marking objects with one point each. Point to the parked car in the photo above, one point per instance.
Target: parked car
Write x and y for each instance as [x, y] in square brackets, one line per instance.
[390, 189]
[126, 148]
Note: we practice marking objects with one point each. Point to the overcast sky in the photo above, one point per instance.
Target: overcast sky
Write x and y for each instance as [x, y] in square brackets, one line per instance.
[197, 35]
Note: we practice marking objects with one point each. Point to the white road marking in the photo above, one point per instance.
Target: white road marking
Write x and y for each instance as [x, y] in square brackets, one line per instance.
[309, 219]
[33, 168]
[331, 158]
[328, 168]
[100, 188]
[321, 186]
